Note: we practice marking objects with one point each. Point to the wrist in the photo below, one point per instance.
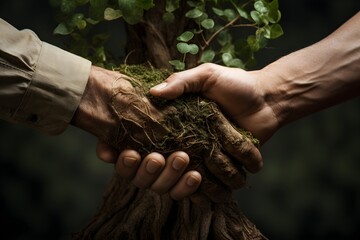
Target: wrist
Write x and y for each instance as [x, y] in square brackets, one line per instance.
[274, 90]
[270, 116]
[94, 113]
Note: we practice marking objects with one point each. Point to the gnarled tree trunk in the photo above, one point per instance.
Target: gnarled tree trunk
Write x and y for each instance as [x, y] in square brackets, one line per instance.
[130, 213]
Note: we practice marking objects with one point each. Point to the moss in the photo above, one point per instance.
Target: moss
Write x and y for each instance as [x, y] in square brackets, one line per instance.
[191, 123]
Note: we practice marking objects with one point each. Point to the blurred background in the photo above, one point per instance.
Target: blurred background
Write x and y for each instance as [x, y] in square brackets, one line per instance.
[309, 188]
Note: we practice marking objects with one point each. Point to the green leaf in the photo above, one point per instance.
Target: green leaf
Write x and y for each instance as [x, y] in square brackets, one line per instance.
[229, 48]
[112, 14]
[235, 62]
[260, 7]
[67, 6]
[274, 16]
[168, 17]
[191, 4]
[201, 18]
[264, 19]
[172, 5]
[92, 21]
[218, 11]
[229, 14]
[242, 49]
[274, 13]
[240, 10]
[63, 29]
[208, 23]
[224, 38]
[261, 38]
[183, 47]
[273, 31]
[253, 43]
[76, 20]
[194, 49]
[145, 4]
[243, 13]
[179, 65]
[274, 5]
[194, 13]
[81, 24]
[132, 13]
[186, 36]
[207, 56]
[226, 57]
[255, 15]
[100, 54]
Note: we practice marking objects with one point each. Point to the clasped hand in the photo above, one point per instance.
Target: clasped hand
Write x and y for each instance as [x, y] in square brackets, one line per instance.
[220, 171]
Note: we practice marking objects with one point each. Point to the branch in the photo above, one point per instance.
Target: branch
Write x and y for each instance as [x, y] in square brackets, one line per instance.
[207, 42]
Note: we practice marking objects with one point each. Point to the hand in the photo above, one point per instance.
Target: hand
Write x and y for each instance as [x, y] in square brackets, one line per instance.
[237, 92]
[153, 172]
[118, 114]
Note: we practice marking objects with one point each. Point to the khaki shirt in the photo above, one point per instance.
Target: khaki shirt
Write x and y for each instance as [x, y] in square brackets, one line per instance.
[40, 85]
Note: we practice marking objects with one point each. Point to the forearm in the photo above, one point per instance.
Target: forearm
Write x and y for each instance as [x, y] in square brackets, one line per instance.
[316, 77]
[96, 113]
[93, 113]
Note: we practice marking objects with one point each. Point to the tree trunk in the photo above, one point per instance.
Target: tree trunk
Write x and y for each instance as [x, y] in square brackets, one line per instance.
[130, 213]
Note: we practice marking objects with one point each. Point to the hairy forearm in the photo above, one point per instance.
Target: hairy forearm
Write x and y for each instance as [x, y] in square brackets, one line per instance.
[315, 77]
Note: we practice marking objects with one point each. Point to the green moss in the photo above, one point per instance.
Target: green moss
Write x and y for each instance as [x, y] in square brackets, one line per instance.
[192, 122]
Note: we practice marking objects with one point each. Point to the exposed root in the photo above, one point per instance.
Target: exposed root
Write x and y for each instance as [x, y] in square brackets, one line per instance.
[189, 124]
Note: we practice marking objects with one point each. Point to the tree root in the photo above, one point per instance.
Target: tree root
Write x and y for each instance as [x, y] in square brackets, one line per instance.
[129, 213]
[214, 145]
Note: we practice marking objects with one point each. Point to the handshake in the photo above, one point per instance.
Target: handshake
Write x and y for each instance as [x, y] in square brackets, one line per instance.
[183, 141]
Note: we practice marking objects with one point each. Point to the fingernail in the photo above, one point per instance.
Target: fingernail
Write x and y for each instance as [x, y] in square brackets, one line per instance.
[178, 163]
[160, 86]
[130, 161]
[191, 181]
[152, 167]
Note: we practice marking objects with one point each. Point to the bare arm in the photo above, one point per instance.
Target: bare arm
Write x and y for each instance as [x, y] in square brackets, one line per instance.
[290, 88]
[316, 77]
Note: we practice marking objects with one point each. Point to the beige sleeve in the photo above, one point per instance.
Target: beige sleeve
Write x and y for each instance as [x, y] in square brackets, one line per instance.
[40, 84]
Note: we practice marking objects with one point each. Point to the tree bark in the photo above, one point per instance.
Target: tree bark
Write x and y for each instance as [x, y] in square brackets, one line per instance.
[130, 213]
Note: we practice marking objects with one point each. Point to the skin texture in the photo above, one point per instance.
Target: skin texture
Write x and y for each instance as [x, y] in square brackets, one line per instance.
[94, 112]
[110, 107]
[301, 83]
[129, 165]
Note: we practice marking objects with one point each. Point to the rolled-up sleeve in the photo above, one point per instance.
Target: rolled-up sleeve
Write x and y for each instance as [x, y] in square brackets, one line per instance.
[40, 85]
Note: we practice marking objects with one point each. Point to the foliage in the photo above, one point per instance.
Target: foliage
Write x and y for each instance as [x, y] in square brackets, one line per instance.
[212, 40]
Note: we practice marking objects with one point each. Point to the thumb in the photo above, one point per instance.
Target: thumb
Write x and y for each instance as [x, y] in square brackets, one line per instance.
[191, 80]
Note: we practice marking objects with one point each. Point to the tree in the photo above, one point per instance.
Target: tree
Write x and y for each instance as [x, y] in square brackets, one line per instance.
[171, 34]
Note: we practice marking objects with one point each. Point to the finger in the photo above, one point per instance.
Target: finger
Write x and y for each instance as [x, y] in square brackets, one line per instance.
[149, 170]
[226, 170]
[106, 153]
[237, 145]
[193, 80]
[186, 186]
[128, 163]
[176, 163]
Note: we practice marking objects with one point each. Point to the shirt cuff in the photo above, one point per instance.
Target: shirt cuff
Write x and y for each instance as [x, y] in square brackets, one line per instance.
[55, 90]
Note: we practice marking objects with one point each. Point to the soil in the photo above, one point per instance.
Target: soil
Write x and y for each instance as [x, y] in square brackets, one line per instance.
[191, 124]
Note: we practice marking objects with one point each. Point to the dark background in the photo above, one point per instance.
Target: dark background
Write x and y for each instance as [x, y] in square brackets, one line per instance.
[309, 187]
